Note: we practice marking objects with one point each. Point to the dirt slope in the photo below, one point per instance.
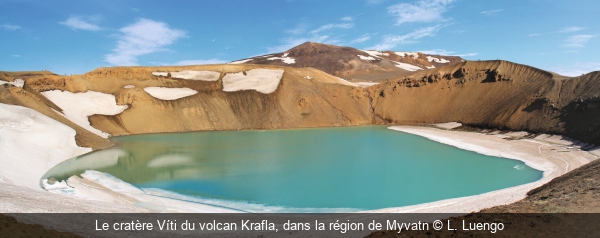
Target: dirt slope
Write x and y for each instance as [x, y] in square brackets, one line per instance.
[575, 192]
[494, 94]
[304, 98]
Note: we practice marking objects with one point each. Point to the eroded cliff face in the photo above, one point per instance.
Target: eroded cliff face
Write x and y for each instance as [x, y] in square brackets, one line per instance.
[494, 94]
[301, 98]
[298, 102]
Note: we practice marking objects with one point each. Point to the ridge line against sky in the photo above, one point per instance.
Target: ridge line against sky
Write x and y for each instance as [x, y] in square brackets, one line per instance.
[76, 37]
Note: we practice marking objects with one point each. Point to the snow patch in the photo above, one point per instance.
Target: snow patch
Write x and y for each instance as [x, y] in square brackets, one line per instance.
[196, 75]
[55, 186]
[17, 83]
[284, 58]
[375, 53]
[262, 80]
[307, 77]
[240, 61]
[164, 74]
[77, 107]
[365, 84]
[430, 67]
[31, 144]
[129, 86]
[438, 60]
[408, 67]
[169, 93]
[191, 75]
[345, 82]
[415, 55]
[369, 58]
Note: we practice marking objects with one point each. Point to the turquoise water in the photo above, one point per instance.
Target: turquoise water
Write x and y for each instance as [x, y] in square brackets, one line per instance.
[363, 168]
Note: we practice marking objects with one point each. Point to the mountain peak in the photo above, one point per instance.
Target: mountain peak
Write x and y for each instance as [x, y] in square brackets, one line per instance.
[354, 64]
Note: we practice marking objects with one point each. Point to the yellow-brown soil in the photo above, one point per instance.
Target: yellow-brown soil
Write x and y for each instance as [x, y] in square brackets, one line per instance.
[494, 94]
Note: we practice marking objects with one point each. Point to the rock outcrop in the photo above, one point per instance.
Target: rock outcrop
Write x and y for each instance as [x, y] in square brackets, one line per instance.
[301, 98]
[494, 94]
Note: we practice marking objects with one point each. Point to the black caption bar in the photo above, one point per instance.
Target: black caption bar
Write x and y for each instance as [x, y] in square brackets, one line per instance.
[318, 225]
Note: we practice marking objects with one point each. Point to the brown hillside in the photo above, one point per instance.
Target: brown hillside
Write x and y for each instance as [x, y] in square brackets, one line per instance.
[494, 94]
[346, 62]
[304, 98]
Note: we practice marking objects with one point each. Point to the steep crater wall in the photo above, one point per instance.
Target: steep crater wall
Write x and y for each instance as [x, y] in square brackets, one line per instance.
[494, 94]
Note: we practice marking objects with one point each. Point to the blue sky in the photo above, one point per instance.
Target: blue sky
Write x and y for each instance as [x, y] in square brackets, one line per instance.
[74, 37]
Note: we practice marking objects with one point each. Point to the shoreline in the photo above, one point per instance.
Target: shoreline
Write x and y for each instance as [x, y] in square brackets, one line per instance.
[545, 160]
[537, 153]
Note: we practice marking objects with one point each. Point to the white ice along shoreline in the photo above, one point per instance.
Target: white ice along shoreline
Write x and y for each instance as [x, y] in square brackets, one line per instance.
[163, 93]
[104, 187]
[33, 143]
[522, 150]
[77, 107]
[202, 75]
[262, 80]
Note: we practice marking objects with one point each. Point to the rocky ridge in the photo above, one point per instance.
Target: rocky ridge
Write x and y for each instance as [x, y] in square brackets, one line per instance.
[353, 64]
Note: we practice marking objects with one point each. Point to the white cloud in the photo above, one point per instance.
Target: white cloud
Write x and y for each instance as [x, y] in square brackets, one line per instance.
[361, 39]
[331, 26]
[16, 56]
[299, 29]
[571, 29]
[467, 54]
[420, 11]
[140, 38]
[491, 12]
[577, 41]
[446, 52]
[347, 19]
[578, 69]
[78, 23]
[437, 52]
[534, 35]
[390, 41]
[10, 27]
